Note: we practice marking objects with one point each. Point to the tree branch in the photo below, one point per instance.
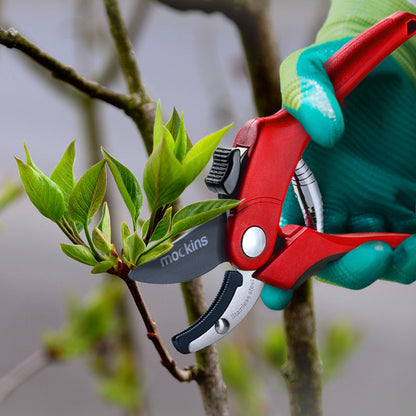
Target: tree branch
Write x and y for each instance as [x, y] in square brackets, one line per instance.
[125, 51]
[303, 369]
[141, 111]
[154, 336]
[210, 382]
[137, 18]
[12, 39]
[23, 372]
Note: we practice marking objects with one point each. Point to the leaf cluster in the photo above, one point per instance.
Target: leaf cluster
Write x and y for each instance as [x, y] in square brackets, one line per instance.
[171, 168]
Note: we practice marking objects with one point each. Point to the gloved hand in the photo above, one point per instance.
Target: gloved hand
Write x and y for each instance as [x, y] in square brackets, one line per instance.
[363, 156]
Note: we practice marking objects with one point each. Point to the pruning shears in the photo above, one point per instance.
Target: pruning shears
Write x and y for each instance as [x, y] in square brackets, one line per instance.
[258, 169]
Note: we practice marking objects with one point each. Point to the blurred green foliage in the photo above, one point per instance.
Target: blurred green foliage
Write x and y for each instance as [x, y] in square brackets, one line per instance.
[94, 331]
[9, 192]
[246, 369]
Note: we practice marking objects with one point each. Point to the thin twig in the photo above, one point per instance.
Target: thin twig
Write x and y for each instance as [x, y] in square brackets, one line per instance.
[23, 372]
[154, 336]
[125, 51]
[141, 111]
[210, 381]
[12, 39]
[137, 18]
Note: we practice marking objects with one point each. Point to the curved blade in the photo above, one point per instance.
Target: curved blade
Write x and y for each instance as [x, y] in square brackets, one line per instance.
[237, 296]
[192, 255]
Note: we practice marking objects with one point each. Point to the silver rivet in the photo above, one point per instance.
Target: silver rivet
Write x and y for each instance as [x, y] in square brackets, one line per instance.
[254, 242]
[222, 326]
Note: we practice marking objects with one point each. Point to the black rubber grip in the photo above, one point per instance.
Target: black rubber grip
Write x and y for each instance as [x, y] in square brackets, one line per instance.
[232, 281]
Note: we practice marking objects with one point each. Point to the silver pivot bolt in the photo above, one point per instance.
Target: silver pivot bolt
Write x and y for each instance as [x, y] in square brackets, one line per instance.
[253, 242]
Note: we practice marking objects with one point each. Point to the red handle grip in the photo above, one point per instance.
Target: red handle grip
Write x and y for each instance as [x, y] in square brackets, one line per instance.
[304, 252]
[349, 65]
[276, 143]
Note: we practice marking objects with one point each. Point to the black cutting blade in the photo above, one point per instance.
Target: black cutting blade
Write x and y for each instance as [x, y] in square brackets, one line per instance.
[192, 255]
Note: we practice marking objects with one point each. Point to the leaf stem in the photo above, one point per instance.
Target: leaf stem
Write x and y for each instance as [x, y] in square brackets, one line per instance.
[69, 233]
[97, 256]
[155, 217]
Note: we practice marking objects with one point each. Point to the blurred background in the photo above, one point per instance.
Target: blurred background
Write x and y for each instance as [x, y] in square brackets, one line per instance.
[194, 62]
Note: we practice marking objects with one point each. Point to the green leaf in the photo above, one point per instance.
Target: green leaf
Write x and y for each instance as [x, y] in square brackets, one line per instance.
[169, 139]
[128, 186]
[133, 248]
[145, 227]
[29, 160]
[174, 124]
[100, 241]
[158, 127]
[63, 174]
[125, 233]
[200, 212]
[154, 253]
[162, 226]
[88, 194]
[102, 267]
[181, 141]
[42, 191]
[79, 253]
[105, 223]
[198, 157]
[164, 178]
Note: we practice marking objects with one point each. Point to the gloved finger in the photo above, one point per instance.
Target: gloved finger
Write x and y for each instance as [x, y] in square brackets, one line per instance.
[360, 267]
[309, 94]
[367, 223]
[275, 298]
[403, 265]
[405, 224]
[336, 218]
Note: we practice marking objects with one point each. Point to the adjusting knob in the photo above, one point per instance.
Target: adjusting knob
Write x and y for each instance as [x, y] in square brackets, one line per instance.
[225, 171]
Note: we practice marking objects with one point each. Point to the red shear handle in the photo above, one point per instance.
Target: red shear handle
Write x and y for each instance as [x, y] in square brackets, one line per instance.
[305, 252]
[348, 66]
[276, 143]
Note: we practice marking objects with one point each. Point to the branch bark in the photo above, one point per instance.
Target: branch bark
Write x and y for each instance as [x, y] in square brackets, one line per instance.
[23, 372]
[303, 369]
[141, 111]
[125, 51]
[210, 382]
[154, 336]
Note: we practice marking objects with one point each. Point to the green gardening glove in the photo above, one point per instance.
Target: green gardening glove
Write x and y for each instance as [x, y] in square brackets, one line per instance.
[363, 156]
